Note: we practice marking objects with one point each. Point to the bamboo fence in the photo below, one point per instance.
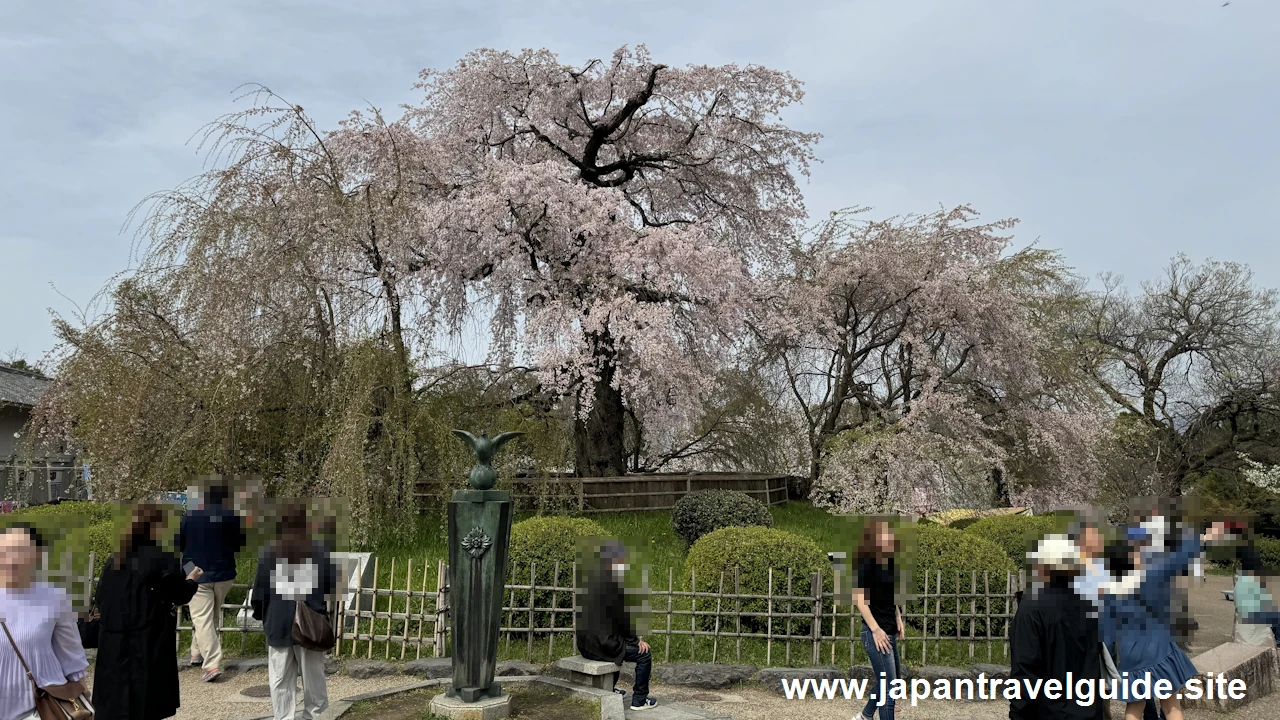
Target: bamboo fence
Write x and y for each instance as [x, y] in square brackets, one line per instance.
[405, 615]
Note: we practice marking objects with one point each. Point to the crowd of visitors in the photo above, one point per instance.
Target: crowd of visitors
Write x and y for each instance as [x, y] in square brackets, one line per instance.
[133, 623]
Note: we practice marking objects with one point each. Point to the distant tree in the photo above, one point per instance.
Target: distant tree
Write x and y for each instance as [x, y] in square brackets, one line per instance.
[912, 348]
[1193, 360]
[17, 360]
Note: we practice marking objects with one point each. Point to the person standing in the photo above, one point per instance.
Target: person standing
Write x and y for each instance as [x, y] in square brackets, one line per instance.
[605, 629]
[293, 569]
[1137, 617]
[1054, 636]
[40, 623]
[874, 596]
[210, 537]
[135, 676]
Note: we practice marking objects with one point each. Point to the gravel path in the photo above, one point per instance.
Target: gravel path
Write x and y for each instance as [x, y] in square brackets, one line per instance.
[223, 700]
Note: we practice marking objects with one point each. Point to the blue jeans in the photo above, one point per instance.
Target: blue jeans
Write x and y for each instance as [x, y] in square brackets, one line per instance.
[884, 666]
[644, 666]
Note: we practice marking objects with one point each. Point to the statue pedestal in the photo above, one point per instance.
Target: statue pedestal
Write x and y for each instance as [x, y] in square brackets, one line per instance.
[479, 537]
[493, 708]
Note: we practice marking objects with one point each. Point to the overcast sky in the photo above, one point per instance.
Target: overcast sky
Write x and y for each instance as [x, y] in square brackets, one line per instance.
[1120, 131]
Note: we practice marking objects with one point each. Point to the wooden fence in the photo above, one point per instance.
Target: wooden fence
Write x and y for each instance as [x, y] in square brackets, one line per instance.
[645, 491]
[405, 614]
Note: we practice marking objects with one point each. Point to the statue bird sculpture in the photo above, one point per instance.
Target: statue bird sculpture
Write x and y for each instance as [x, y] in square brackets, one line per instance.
[483, 476]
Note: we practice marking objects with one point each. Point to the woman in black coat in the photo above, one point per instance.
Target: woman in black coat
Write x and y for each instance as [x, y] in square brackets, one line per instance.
[135, 676]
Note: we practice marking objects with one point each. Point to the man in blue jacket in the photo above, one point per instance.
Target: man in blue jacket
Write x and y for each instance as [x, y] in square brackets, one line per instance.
[210, 537]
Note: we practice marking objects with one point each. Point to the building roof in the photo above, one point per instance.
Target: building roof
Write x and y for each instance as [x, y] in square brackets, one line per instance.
[19, 387]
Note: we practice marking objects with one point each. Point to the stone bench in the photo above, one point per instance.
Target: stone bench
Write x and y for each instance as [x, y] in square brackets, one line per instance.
[1255, 664]
[592, 673]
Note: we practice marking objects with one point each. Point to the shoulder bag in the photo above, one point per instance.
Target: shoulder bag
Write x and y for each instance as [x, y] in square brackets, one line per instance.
[56, 702]
[311, 630]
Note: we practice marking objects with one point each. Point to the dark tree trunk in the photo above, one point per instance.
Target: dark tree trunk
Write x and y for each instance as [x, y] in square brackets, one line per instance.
[600, 440]
[1000, 489]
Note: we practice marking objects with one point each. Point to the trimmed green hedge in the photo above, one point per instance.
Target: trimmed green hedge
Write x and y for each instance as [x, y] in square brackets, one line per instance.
[958, 554]
[753, 551]
[1269, 549]
[94, 512]
[1017, 534]
[704, 511]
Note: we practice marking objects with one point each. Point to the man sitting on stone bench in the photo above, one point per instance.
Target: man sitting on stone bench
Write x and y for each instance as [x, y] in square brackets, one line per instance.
[605, 631]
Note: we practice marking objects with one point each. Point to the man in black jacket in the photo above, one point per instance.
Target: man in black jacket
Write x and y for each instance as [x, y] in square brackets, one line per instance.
[605, 631]
[1055, 637]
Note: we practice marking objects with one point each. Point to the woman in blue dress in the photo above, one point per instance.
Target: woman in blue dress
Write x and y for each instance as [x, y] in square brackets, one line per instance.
[1137, 619]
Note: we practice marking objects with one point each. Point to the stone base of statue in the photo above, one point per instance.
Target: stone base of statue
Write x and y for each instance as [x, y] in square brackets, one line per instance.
[489, 708]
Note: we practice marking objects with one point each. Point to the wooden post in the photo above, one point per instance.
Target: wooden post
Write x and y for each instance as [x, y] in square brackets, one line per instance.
[666, 653]
[816, 628]
[442, 607]
[737, 590]
[355, 631]
[422, 607]
[924, 622]
[533, 585]
[693, 617]
[790, 610]
[937, 622]
[768, 633]
[973, 608]
[408, 605]
[986, 592]
[373, 611]
[715, 637]
[574, 614]
[555, 605]
[391, 599]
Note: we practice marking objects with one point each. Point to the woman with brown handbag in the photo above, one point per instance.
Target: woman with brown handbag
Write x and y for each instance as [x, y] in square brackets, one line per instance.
[40, 652]
[294, 579]
[136, 676]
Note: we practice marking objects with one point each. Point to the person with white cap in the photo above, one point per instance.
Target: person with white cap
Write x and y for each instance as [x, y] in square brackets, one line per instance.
[1054, 636]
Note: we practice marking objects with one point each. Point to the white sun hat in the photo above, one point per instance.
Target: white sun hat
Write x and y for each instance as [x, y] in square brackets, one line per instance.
[1056, 552]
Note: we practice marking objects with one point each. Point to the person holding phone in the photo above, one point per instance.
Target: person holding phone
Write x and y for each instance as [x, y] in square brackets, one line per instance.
[135, 677]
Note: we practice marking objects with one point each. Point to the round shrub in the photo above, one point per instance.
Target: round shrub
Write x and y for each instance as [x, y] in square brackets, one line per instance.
[704, 511]
[1016, 534]
[538, 544]
[959, 556]
[753, 552]
[546, 540]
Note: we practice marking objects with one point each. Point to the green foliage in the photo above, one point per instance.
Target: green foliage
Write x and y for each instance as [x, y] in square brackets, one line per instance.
[958, 554]
[537, 544]
[1017, 534]
[94, 512]
[1269, 549]
[1229, 493]
[699, 513]
[545, 541]
[752, 552]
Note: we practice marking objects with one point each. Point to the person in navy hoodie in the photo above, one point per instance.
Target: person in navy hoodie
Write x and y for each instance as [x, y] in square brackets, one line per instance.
[210, 537]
